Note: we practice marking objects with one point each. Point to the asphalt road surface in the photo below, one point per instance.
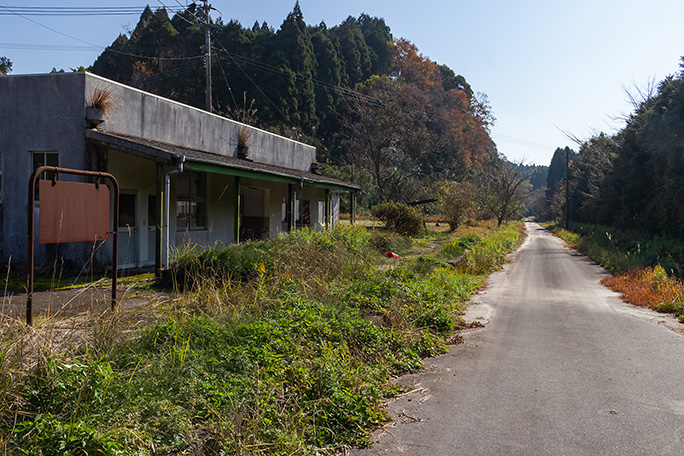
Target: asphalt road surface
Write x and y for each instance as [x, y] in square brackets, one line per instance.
[562, 367]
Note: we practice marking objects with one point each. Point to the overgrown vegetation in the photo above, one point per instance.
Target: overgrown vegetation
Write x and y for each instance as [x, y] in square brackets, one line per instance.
[621, 251]
[646, 269]
[399, 217]
[280, 347]
[650, 287]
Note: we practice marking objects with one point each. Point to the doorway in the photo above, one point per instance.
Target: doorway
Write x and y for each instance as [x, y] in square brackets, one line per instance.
[128, 229]
[255, 223]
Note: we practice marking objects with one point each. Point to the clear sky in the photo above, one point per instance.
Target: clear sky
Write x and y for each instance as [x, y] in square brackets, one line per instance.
[547, 66]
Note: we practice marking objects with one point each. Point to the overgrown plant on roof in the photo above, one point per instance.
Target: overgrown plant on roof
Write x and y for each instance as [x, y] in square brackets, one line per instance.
[102, 100]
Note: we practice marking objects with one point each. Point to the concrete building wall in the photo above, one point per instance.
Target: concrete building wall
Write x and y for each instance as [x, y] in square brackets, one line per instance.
[142, 114]
[46, 113]
[38, 113]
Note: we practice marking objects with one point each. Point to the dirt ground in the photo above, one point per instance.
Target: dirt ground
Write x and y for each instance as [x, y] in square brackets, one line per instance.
[66, 303]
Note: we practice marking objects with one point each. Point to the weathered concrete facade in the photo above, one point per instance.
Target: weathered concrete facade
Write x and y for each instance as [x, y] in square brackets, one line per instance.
[216, 196]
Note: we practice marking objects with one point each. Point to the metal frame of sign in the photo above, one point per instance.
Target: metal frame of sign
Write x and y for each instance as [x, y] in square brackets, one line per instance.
[31, 227]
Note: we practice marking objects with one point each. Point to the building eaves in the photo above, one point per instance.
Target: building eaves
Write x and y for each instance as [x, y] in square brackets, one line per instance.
[170, 154]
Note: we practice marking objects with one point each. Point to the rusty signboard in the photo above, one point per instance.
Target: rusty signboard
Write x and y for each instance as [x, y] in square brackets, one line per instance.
[72, 212]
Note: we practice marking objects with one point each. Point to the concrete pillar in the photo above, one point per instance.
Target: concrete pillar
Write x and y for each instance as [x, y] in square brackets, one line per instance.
[328, 214]
[353, 207]
[291, 205]
[236, 215]
[159, 210]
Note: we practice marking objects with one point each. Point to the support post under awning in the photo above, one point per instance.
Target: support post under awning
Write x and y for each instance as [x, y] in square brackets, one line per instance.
[236, 216]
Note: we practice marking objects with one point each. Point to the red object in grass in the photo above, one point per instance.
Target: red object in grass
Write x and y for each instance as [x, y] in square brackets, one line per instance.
[391, 254]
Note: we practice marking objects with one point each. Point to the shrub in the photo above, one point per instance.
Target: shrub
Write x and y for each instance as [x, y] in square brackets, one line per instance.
[456, 201]
[399, 217]
[191, 268]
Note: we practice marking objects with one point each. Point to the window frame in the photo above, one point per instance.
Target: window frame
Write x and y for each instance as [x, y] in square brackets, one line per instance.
[46, 175]
[194, 198]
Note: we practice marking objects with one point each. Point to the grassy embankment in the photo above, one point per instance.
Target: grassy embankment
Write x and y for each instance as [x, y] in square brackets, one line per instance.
[277, 347]
[646, 270]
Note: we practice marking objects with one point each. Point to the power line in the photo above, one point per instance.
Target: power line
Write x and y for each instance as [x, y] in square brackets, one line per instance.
[47, 47]
[89, 48]
[522, 142]
[173, 72]
[23, 11]
[95, 45]
[255, 84]
[225, 78]
[267, 68]
[76, 11]
[353, 94]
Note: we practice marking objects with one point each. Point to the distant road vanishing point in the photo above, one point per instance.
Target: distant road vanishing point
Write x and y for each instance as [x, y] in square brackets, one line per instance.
[562, 367]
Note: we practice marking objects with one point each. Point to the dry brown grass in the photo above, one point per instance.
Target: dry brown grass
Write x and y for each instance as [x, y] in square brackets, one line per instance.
[650, 287]
[102, 99]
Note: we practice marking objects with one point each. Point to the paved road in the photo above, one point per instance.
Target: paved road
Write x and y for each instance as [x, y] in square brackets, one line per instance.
[561, 368]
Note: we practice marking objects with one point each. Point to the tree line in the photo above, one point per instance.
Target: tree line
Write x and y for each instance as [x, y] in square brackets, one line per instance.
[381, 114]
[633, 179]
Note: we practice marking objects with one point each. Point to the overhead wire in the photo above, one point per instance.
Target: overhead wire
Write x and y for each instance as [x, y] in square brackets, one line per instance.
[225, 78]
[267, 68]
[257, 86]
[74, 11]
[173, 72]
[46, 47]
[522, 142]
[24, 11]
[105, 48]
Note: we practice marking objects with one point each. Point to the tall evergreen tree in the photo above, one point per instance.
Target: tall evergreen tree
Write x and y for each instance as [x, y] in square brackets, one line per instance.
[555, 193]
[328, 80]
[294, 56]
[354, 51]
[378, 38]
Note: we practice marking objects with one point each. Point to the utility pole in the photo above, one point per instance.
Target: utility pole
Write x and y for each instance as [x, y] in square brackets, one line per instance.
[207, 54]
[567, 188]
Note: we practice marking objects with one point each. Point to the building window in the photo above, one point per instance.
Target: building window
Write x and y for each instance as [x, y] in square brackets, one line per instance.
[0, 176]
[44, 158]
[191, 200]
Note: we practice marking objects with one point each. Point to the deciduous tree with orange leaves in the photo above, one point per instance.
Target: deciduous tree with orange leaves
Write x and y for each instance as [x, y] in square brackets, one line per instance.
[417, 124]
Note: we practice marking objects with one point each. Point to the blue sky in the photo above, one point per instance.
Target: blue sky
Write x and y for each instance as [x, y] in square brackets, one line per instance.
[547, 67]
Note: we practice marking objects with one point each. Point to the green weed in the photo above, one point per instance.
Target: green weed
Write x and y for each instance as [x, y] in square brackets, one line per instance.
[622, 251]
[275, 347]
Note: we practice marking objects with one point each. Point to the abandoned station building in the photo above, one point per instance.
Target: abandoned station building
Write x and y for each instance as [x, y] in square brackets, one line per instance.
[228, 182]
